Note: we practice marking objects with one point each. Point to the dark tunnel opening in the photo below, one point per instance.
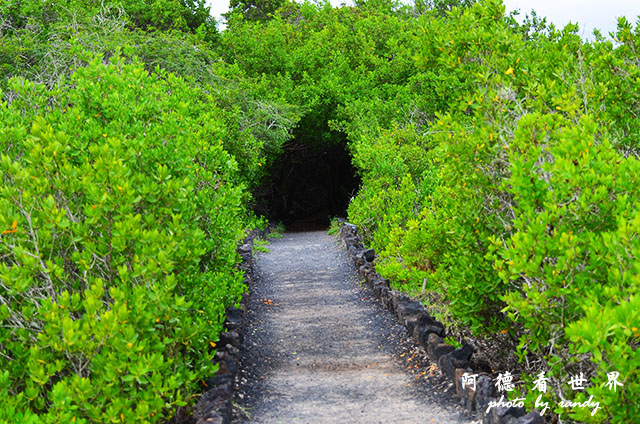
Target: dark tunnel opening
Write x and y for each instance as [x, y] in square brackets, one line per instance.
[309, 184]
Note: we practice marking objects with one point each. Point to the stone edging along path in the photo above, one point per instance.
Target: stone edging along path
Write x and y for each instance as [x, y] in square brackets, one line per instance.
[215, 405]
[429, 333]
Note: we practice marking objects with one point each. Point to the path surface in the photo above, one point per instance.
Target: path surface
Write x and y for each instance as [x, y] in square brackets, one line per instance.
[319, 349]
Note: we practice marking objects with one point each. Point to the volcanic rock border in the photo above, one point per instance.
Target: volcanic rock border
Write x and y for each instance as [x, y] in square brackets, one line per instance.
[216, 404]
[429, 333]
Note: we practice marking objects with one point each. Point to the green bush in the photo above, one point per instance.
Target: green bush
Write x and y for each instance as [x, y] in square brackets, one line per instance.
[120, 213]
[519, 217]
[570, 262]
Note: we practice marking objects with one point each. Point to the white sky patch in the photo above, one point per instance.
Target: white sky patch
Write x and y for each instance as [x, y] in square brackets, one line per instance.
[218, 7]
[589, 14]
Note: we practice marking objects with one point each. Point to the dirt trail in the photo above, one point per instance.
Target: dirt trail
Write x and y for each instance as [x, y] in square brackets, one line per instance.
[319, 349]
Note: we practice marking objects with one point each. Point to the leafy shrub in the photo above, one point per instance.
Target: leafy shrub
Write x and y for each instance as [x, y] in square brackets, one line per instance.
[120, 215]
[571, 258]
[44, 41]
[520, 220]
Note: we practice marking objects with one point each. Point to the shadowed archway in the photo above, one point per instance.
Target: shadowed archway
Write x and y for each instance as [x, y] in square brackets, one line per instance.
[309, 184]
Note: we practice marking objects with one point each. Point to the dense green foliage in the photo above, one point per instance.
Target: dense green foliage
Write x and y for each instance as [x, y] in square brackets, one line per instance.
[120, 245]
[499, 166]
[43, 40]
[254, 10]
[43, 16]
[128, 156]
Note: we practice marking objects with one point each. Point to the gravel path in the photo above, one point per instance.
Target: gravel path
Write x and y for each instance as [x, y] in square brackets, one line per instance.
[320, 349]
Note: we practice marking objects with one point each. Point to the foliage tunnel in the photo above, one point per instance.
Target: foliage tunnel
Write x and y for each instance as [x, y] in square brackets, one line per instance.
[309, 183]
